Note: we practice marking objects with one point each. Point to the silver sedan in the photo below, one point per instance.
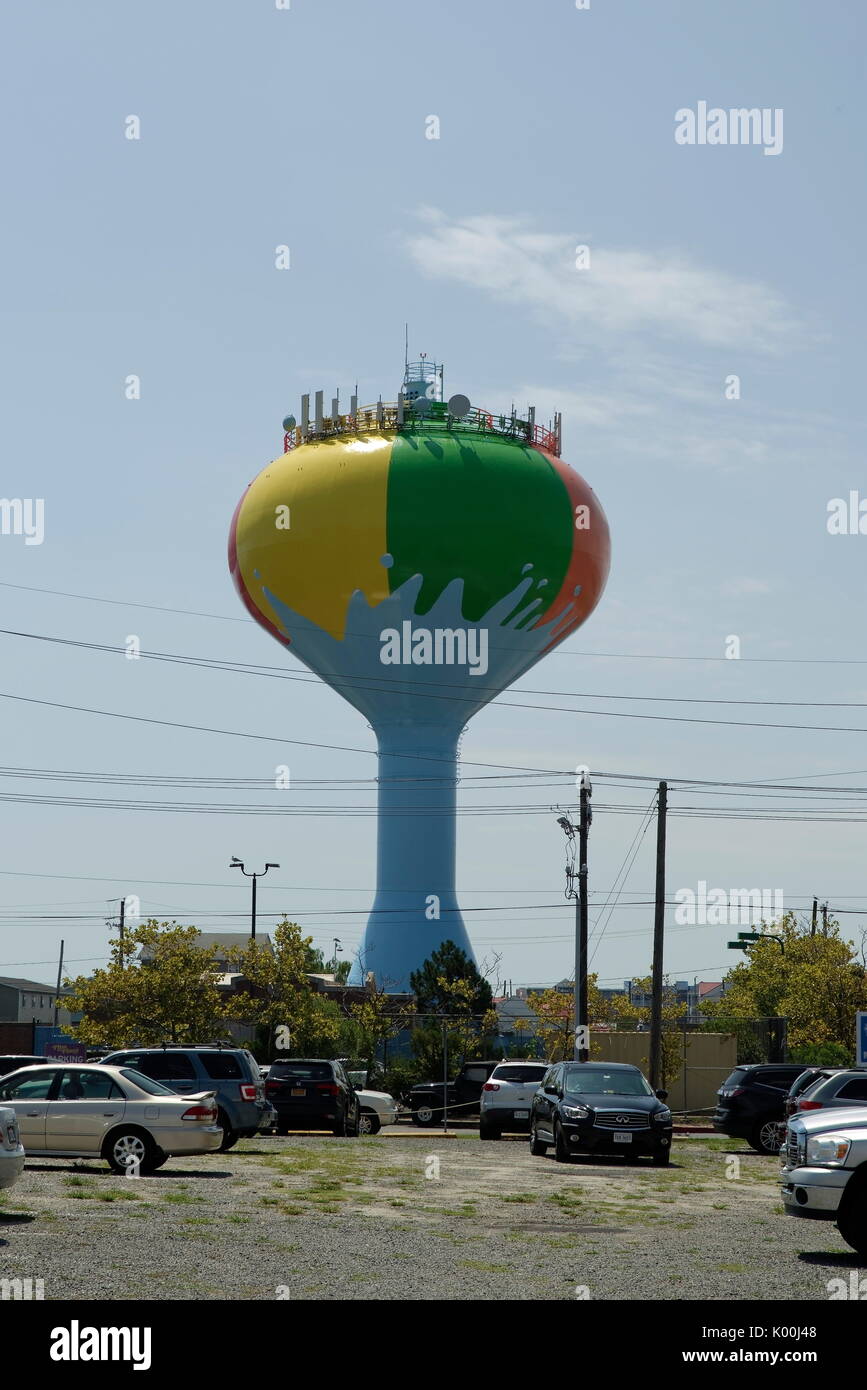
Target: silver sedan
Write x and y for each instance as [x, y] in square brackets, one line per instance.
[74, 1110]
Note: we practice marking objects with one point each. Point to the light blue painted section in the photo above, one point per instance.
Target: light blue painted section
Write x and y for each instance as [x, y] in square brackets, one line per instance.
[418, 713]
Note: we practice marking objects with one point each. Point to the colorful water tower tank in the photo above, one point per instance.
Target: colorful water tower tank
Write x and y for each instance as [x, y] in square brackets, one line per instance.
[419, 555]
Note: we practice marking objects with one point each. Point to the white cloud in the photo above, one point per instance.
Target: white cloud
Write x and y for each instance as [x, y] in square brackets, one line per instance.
[624, 290]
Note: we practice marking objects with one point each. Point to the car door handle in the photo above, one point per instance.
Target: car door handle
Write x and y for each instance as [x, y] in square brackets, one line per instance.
[33, 1114]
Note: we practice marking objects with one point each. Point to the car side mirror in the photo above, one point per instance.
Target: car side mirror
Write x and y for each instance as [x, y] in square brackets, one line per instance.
[550, 1090]
[661, 1095]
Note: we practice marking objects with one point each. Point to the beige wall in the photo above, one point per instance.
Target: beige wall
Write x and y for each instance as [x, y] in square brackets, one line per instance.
[708, 1057]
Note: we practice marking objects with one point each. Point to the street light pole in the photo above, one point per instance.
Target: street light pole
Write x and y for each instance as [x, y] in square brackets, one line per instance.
[238, 864]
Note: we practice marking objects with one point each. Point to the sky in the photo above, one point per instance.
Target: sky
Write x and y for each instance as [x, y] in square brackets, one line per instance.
[155, 257]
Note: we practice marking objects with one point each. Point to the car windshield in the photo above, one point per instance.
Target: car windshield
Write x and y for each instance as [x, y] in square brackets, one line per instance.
[528, 1074]
[597, 1081]
[146, 1083]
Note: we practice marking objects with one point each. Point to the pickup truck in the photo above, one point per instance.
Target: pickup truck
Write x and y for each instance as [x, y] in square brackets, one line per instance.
[428, 1100]
[824, 1172]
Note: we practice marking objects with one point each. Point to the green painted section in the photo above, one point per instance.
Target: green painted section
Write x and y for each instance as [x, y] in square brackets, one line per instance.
[479, 509]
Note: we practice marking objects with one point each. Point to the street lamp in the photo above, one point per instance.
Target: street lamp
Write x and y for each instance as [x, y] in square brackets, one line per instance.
[237, 863]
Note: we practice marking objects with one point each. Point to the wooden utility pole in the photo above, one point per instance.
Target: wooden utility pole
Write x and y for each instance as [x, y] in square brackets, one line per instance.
[658, 933]
[582, 1049]
[815, 911]
[59, 983]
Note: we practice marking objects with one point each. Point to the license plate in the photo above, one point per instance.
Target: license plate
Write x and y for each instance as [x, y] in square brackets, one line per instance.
[622, 1138]
[522, 1114]
[298, 1091]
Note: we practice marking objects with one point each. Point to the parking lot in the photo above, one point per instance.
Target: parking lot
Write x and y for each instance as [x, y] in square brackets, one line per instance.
[416, 1216]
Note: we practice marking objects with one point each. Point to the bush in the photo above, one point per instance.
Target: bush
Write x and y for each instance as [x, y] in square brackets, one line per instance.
[822, 1055]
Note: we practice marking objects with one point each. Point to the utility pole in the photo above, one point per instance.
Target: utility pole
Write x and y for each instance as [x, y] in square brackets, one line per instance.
[815, 910]
[581, 1050]
[824, 919]
[120, 933]
[238, 864]
[59, 982]
[658, 935]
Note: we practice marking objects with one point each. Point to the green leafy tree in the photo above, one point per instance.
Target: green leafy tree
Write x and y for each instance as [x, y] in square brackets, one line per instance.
[276, 993]
[448, 980]
[815, 981]
[159, 987]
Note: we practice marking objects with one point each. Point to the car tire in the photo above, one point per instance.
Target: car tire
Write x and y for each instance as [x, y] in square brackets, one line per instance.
[661, 1159]
[424, 1115]
[160, 1159]
[129, 1146]
[537, 1148]
[765, 1138]
[489, 1131]
[561, 1148]
[282, 1130]
[230, 1135]
[354, 1129]
[369, 1122]
[852, 1223]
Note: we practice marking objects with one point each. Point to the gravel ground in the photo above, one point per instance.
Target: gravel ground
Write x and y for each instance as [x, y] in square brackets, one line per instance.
[322, 1218]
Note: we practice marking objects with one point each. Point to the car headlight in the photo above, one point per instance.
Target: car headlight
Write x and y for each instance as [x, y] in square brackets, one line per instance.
[828, 1150]
[576, 1112]
[662, 1117]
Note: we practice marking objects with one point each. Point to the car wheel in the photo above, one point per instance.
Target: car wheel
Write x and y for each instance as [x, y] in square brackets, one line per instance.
[487, 1130]
[230, 1136]
[537, 1148]
[354, 1129]
[766, 1138]
[282, 1131]
[340, 1130]
[852, 1223]
[424, 1115]
[128, 1149]
[561, 1148]
[661, 1159]
[368, 1123]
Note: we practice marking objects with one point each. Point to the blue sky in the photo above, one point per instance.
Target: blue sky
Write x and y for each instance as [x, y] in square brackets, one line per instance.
[306, 127]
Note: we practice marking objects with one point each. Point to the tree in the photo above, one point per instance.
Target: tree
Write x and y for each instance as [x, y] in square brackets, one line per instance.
[372, 1021]
[277, 992]
[817, 982]
[448, 980]
[168, 995]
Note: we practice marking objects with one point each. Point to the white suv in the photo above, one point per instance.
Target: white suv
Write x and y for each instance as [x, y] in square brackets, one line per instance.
[507, 1097]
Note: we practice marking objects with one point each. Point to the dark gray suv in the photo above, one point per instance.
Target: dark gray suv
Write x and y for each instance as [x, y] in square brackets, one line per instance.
[232, 1072]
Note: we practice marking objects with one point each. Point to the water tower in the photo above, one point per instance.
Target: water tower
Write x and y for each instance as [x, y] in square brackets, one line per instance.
[418, 555]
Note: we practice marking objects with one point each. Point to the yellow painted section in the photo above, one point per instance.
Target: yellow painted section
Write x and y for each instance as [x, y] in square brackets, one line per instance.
[336, 495]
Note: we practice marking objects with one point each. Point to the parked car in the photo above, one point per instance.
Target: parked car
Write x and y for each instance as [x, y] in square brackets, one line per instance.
[81, 1110]
[11, 1148]
[507, 1097]
[14, 1061]
[313, 1093]
[824, 1173]
[378, 1108]
[751, 1103]
[801, 1084]
[428, 1099]
[232, 1072]
[600, 1107]
[840, 1089]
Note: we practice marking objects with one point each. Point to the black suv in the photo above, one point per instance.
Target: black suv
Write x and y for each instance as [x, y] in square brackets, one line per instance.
[311, 1093]
[600, 1107]
[232, 1072]
[427, 1100]
[751, 1103]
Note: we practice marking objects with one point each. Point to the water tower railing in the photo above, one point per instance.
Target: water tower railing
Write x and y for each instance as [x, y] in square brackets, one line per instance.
[384, 417]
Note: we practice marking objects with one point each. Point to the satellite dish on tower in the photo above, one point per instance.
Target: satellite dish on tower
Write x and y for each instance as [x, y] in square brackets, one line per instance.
[459, 406]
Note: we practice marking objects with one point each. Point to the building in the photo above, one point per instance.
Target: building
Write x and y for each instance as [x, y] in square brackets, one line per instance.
[28, 1001]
